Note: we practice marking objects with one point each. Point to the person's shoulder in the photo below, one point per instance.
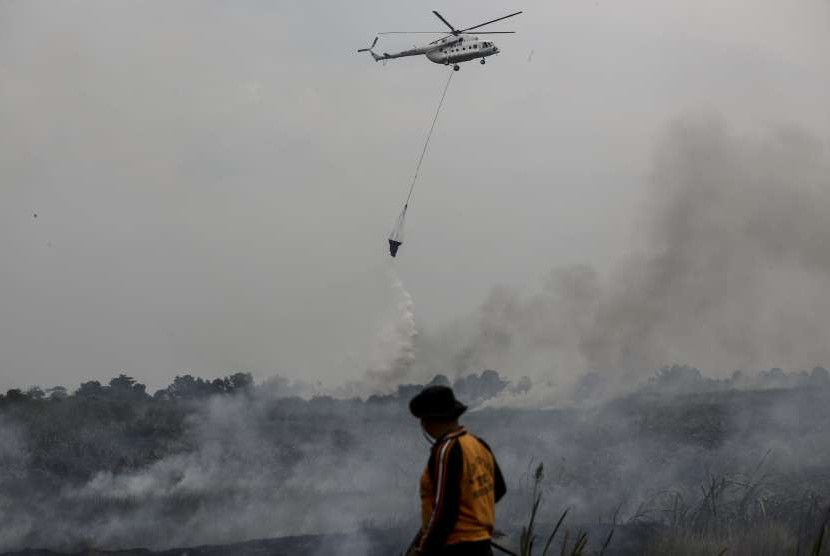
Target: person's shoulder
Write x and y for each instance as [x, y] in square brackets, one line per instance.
[448, 440]
[481, 440]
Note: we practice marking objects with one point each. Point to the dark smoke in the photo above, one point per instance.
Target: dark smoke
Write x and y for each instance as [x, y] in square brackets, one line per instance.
[730, 270]
[737, 267]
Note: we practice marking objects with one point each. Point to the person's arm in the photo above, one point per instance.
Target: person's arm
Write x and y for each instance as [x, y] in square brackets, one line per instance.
[498, 478]
[446, 476]
[501, 488]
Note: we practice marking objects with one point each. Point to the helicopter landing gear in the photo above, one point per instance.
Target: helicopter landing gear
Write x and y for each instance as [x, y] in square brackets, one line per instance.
[482, 61]
[456, 67]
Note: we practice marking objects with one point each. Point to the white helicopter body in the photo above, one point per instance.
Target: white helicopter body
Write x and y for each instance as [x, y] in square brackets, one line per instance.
[459, 46]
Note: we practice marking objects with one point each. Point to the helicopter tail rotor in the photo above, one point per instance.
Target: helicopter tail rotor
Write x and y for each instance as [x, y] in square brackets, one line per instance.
[374, 42]
[372, 52]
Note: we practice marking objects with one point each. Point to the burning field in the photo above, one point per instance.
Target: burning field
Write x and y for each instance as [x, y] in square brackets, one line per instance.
[682, 464]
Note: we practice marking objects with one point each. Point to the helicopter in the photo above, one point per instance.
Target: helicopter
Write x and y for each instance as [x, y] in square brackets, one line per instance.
[458, 45]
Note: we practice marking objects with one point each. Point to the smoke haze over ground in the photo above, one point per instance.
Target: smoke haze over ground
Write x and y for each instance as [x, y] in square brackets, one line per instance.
[112, 468]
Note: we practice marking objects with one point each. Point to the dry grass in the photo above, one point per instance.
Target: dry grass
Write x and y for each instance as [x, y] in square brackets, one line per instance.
[575, 546]
[743, 515]
[738, 515]
[771, 540]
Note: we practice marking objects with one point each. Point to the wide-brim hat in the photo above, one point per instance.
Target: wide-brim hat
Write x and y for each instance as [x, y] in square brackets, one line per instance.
[436, 402]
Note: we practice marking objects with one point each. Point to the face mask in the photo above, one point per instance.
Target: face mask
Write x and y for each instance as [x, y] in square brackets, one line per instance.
[427, 436]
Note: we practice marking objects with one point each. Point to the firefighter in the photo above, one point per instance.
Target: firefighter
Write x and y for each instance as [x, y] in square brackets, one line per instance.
[461, 483]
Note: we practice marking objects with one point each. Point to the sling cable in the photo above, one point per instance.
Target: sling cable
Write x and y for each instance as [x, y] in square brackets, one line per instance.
[396, 237]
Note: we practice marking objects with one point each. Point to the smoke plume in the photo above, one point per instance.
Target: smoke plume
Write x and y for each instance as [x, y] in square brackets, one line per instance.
[392, 351]
[730, 271]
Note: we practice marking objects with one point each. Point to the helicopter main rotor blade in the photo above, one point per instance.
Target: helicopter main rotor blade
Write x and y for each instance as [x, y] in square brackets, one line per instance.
[447, 23]
[489, 33]
[442, 38]
[485, 23]
[413, 33]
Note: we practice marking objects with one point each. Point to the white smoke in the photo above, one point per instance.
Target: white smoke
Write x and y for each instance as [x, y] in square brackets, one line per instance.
[392, 350]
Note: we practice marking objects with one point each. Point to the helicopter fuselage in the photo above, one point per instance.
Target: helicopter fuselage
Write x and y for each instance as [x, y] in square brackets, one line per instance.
[462, 50]
[451, 50]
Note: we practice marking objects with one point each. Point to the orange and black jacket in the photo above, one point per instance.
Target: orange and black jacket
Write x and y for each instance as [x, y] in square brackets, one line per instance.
[459, 490]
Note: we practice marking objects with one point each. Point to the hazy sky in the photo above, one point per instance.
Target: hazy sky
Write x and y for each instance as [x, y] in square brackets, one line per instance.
[214, 181]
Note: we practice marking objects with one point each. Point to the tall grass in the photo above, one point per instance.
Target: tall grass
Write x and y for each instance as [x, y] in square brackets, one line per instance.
[528, 536]
[736, 515]
[740, 514]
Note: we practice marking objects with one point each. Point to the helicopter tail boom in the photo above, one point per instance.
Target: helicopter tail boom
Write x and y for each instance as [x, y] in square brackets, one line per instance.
[415, 51]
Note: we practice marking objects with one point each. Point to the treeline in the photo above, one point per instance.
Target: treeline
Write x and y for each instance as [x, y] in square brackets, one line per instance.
[473, 389]
[67, 437]
[127, 388]
[683, 378]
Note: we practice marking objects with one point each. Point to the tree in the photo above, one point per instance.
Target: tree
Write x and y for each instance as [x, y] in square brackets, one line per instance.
[406, 392]
[820, 376]
[187, 387]
[35, 393]
[57, 393]
[773, 378]
[240, 382]
[439, 380]
[16, 395]
[91, 389]
[235, 383]
[478, 388]
[219, 385]
[523, 386]
[677, 379]
[126, 388]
